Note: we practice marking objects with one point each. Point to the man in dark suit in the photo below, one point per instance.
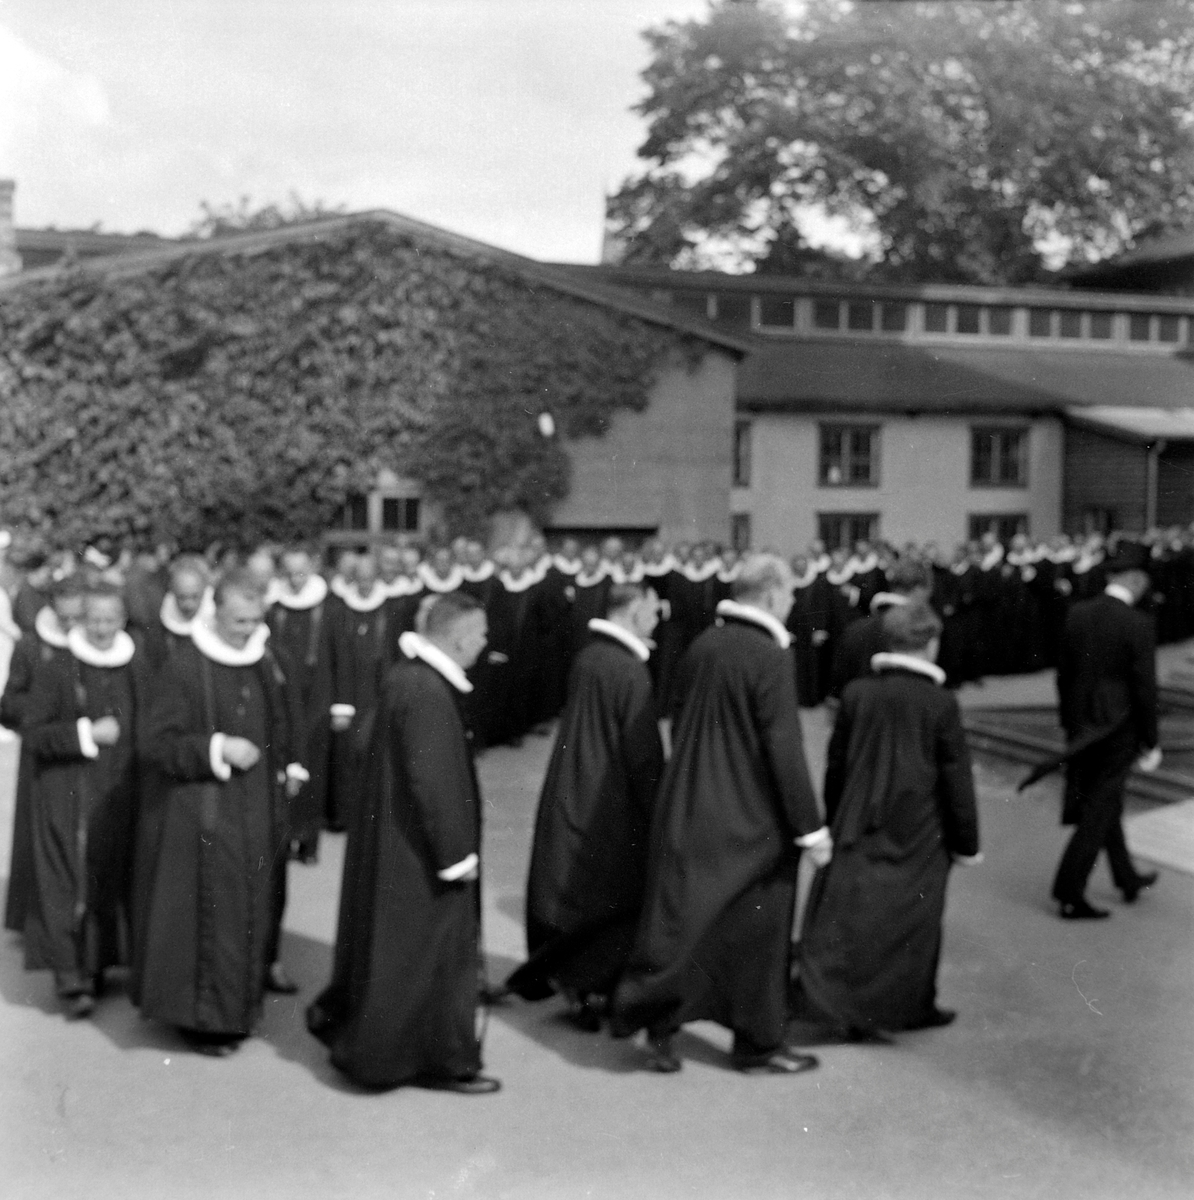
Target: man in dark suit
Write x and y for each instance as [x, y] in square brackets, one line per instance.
[1107, 685]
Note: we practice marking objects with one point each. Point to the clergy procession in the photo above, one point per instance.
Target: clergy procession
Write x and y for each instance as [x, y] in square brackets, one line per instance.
[191, 724]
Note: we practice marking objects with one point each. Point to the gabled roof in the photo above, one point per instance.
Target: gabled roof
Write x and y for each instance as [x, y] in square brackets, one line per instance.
[532, 272]
[857, 375]
[1138, 424]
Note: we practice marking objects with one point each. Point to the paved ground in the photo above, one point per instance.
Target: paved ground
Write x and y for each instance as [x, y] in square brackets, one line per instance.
[1068, 1073]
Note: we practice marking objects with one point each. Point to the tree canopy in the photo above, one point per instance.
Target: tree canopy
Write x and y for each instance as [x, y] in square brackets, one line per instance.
[239, 396]
[968, 141]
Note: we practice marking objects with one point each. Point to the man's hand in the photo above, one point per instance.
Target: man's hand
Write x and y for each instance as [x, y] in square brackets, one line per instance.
[821, 853]
[240, 753]
[1149, 761]
[105, 731]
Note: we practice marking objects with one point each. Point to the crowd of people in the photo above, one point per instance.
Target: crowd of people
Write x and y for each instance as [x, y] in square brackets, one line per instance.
[190, 723]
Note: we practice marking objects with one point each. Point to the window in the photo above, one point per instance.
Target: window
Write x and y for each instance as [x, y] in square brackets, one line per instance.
[1040, 322]
[999, 321]
[1097, 519]
[998, 457]
[1167, 328]
[742, 454]
[936, 318]
[849, 456]
[894, 318]
[399, 514]
[733, 308]
[1100, 325]
[1138, 327]
[860, 315]
[695, 304]
[778, 311]
[827, 314]
[968, 318]
[354, 514]
[1004, 526]
[740, 532]
[839, 531]
[1071, 323]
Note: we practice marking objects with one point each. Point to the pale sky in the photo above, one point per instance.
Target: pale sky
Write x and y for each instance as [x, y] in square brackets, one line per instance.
[502, 119]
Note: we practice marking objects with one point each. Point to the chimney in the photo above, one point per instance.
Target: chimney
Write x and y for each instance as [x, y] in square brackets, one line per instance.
[613, 243]
[10, 260]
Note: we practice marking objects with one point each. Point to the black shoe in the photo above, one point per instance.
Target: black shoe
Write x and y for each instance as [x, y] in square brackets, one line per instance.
[79, 1006]
[1081, 910]
[937, 1019]
[661, 1056]
[211, 1045]
[1141, 883]
[464, 1085]
[277, 979]
[781, 1061]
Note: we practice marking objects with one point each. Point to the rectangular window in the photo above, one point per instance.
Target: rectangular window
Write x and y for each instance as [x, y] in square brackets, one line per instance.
[936, 318]
[740, 532]
[840, 531]
[693, 304]
[849, 456]
[968, 318]
[1097, 519]
[860, 315]
[998, 457]
[355, 513]
[1100, 325]
[1004, 526]
[399, 514]
[742, 454]
[1138, 327]
[1167, 328]
[733, 308]
[1071, 323]
[999, 321]
[894, 316]
[827, 314]
[1040, 322]
[778, 311]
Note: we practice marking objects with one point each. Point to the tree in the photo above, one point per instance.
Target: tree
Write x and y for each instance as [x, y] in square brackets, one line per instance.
[219, 220]
[968, 141]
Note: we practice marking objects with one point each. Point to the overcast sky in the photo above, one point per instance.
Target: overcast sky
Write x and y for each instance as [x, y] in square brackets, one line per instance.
[502, 119]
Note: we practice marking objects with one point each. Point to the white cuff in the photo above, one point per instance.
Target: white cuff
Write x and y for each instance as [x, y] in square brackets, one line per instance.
[298, 771]
[458, 870]
[344, 710]
[87, 744]
[817, 838]
[215, 753]
[968, 860]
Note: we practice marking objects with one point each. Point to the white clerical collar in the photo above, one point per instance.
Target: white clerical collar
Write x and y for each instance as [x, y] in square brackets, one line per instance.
[992, 558]
[748, 612]
[211, 645]
[566, 566]
[338, 585]
[808, 578]
[728, 575]
[612, 629]
[404, 585]
[478, 574]
[701, 573]
[378, 595]
[173, 621]
[583, 579]
[526, 578]
[1087, 561]
[843, 575]
[437, 583]
[863, 566]
[49, 628]
[822, 563]
[118, 654]
[888, 600]
[1065, 554]
[664, 566]
[632, 574]
[312, 594]
[415, 645]
[1119, 592]
[888, 660]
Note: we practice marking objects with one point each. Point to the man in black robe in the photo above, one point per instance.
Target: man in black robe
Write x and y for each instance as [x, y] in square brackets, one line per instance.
[36, 648]
[589, 857]
[79, 727]
[900, 801]
[219, 735]
[189, 587]
[735, 807]
[401, 1005]
[1107, 686]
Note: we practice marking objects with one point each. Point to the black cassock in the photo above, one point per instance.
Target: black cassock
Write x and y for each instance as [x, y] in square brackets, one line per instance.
[402, 1001]
[216, 844]
[589, 857]
[900, 800]
[715, 934]
[83, 812]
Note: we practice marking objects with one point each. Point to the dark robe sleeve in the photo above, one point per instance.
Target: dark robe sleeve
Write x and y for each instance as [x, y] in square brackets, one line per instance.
[425, 733]
[836, 759]
[51, 729]
[955, 783]
[783, 742]
[1144, 682]
[19, 687]
[642, 747]
[1065, 678]
[172, 735]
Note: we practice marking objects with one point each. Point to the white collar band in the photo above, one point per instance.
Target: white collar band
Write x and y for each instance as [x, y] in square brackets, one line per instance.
[312, 594]
[211, 645]
[748, 612]
[584, 580]
[175, 622]
[701, 573]
[612, 629]
[415, 645]
[1120, 593]
[478, 574]
[118, 654]
[887, 600]
[49, 628]
[378, 595]
[404, 585]
[888, 660]
[437, 583]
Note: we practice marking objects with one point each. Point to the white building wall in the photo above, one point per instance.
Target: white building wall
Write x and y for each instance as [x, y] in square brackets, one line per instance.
[924, 491]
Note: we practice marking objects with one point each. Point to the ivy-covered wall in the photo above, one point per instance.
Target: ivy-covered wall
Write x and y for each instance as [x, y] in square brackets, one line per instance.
[242, 396]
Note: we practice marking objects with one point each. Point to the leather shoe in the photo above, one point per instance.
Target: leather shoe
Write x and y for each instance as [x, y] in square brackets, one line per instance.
[463, 1085]
[1082, 910]
[661, 1056]
[277, 979]
[80, 1006]
[937, 1019]
[777, 1062]
[1146, 880]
